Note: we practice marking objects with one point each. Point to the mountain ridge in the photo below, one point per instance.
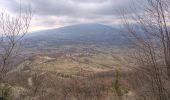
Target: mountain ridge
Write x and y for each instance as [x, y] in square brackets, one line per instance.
[79, 33]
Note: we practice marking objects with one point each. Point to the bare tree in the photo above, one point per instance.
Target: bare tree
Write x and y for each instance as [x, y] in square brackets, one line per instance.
[12, 29]
[150, 37]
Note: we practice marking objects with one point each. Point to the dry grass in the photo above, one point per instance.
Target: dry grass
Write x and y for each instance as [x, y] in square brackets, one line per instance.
[74, 64]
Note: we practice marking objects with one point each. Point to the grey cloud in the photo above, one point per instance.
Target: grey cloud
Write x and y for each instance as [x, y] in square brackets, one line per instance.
[86, 8]
[50, 13]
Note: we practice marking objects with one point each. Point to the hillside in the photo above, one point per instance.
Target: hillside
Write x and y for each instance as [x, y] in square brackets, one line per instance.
[77, 34]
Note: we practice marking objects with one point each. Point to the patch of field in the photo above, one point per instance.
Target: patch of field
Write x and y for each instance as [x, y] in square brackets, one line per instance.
[75, 64]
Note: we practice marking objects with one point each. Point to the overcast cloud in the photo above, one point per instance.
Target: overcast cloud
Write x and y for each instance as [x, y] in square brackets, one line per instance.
[56, 13]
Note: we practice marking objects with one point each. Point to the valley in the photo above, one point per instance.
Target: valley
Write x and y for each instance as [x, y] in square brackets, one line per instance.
[86, 68]
[84, 49]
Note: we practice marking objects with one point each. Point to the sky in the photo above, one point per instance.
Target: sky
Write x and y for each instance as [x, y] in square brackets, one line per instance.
[49, 14]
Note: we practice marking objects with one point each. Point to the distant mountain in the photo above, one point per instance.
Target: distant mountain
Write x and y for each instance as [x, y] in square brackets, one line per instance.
[80, 33]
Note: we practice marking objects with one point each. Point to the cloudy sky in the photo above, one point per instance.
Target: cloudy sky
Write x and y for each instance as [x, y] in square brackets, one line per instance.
[57, 13]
